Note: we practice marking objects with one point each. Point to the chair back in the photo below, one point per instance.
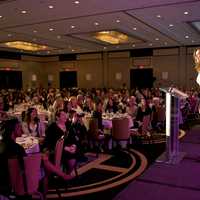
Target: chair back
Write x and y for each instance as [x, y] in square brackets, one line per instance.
[146, 123]
[120, 129]
[161, 114]
[59, 151]
[25, 181]
[93, 128]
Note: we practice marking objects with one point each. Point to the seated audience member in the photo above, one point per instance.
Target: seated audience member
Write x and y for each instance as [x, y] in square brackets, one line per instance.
[9, 149]
[54, 132]
[143, 110]
[88, 105]
[75, 106]
[132, 107]
[32, 124]
[3, 114]
[79, 131]
[98, 114]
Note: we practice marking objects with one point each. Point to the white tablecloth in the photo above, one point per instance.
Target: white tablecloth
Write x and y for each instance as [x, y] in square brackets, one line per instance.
[30, 144]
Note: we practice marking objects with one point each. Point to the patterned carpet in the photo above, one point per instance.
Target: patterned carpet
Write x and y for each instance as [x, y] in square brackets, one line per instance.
[101, 176]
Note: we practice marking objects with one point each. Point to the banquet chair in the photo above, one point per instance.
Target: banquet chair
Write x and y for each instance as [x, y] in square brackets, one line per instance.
[120, 130]
[143, 133]
[58, 154]
[94, 136]
[25, 181]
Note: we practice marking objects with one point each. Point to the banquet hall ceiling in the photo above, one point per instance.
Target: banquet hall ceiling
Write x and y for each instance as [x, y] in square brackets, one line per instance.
[66, 25]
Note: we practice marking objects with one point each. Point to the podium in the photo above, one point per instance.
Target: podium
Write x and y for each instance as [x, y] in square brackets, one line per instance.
[172, 155]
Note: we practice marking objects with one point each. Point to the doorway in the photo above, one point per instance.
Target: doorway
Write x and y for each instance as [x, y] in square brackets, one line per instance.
[10, 79]
[68, 79]
[141, 78]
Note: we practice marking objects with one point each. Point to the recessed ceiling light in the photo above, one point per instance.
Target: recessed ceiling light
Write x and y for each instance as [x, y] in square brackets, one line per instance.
[76, 2]
[186, 13]
[171, 25]
[96, 23]
[158, 16]
[73, 50]
[150, 44]
[9, 35]
[118, 21]
[51, 29]
[34, 31]
[50, 6]
[133, 45]
[23, 11]
[72, 26]
[134, 28]
[1, 16]
[186, 36]
[58, 36]
[156, 39]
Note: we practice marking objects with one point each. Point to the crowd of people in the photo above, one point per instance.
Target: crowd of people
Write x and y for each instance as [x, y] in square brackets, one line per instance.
[67, 109]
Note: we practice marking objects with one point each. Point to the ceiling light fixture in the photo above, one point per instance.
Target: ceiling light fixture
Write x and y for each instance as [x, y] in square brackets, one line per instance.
[158, 16]
[9, 35]
[51, 29]
[171, 25]
[133, 45]
[50, 6]
[76, 2]
[1, 16]
[22, 45]
[186, 13]
[114, 37]
[134, 28]
[58, 36]
[72, 26]
[186, 36]
[23, 11]
[156, 39]
[96, 23]
[118, 21]
[34, 31]
[150, 44]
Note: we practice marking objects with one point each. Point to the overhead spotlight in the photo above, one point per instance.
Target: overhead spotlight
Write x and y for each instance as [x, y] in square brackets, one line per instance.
[96, 23]
[76, 2]
[158, 16]
[118, 21]
[171, 25]
[186, 13]
[50, 6]
[186, 36]
[51, 29]
[23, 11]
